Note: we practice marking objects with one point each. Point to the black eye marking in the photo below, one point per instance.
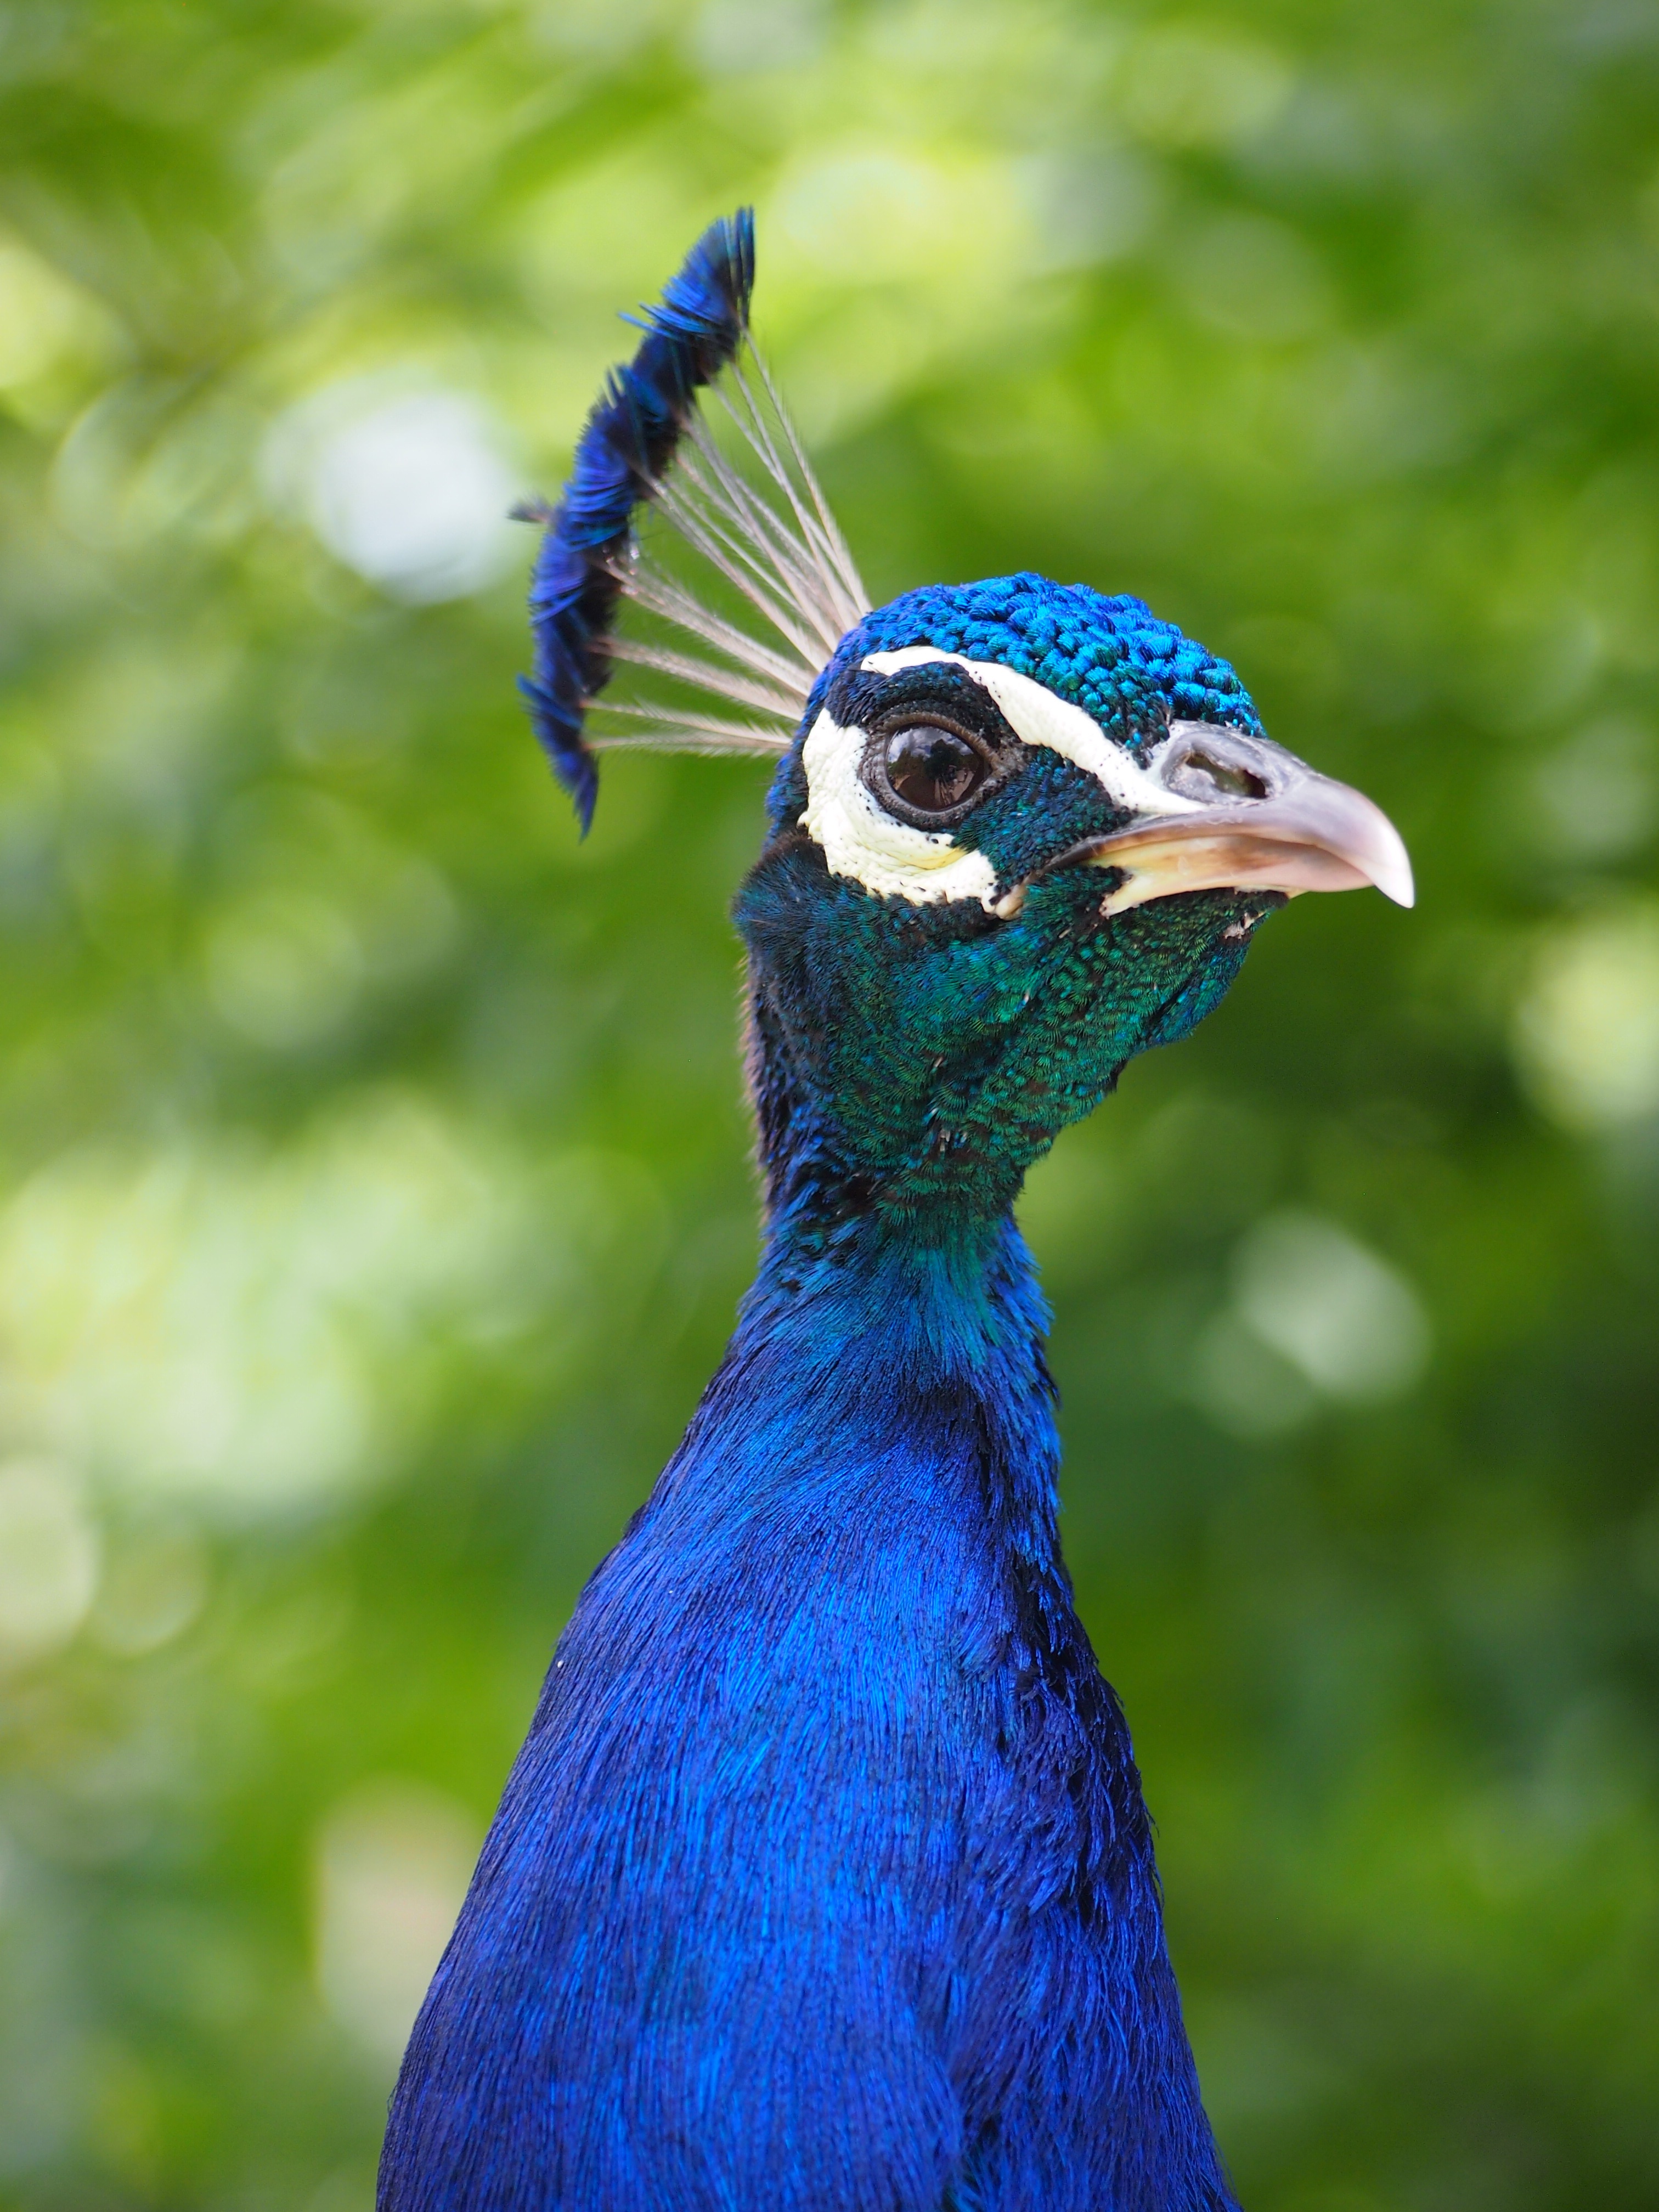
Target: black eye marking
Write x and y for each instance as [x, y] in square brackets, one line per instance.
[939, 743]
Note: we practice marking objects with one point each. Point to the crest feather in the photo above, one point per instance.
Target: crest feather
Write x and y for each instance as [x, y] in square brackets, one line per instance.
[765, 529]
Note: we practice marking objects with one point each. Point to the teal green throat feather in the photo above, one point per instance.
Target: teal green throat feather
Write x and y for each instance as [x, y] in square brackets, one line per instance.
[824, 1878]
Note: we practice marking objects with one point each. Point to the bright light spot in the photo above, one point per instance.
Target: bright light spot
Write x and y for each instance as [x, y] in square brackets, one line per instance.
[1346, 1320]
[731, 38]
[324, 908]
[1587, 1033]
[610, 28]
[393, 1863]
[48, 1557]
[1089, 207]
[256, 1326]
[1244, 1385]
[873, 214]
[411, 490]
[1189, 85]
[932, 246]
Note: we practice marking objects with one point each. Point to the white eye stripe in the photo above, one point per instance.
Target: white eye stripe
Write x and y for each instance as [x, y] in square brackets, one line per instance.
[1042, 717]
[859, 840]
[928, 866]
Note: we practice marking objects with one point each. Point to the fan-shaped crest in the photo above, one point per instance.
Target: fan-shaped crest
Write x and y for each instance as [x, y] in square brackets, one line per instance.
[748, 506]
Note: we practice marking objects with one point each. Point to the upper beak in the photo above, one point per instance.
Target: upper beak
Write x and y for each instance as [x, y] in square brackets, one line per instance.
[1245, 814]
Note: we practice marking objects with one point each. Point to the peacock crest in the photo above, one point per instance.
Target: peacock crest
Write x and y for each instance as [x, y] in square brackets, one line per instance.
[765, 528]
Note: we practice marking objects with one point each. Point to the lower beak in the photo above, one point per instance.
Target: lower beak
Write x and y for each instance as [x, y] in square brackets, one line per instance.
[1252, 816]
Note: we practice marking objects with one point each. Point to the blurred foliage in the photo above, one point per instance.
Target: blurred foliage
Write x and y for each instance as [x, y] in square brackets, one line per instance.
[373, 1191]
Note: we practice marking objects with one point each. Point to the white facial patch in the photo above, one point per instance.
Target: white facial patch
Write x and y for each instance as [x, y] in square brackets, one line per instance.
[927, 866]
[861, 840]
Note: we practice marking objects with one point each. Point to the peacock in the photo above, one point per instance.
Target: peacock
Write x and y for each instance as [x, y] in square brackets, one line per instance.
[824, 1878]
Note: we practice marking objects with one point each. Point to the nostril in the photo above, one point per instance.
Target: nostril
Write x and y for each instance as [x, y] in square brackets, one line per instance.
[1201, 768]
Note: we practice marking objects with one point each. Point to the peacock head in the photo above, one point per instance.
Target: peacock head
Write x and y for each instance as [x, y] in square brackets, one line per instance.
[1025, 832]
[1020, 831]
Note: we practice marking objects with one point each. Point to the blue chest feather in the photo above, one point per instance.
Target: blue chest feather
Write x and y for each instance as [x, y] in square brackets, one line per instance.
[823, 1878]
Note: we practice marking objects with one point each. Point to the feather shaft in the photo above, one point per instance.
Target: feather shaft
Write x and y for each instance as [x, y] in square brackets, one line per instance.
[708, 676]
[661, 595]
[831, 566]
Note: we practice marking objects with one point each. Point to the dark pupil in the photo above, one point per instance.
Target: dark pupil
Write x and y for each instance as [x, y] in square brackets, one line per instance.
[932, 770]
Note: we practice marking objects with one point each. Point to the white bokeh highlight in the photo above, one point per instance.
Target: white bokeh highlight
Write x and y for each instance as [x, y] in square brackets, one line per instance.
[250, 1329]
[1337, 1311]
[1315, 1317]
[410, 489]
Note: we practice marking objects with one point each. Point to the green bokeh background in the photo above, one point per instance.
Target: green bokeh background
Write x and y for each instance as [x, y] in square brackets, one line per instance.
[374, 1180]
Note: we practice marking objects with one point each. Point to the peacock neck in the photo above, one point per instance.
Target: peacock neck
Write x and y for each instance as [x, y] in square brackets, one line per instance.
[897, 1169]
[933, 1289]
[894, 1328]
[953, 1294]
[871, 1363]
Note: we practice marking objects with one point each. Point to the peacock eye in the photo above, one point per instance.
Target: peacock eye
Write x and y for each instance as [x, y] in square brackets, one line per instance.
[933, 770]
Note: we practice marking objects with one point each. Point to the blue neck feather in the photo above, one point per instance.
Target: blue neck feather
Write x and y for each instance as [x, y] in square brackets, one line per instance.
[824, 1876]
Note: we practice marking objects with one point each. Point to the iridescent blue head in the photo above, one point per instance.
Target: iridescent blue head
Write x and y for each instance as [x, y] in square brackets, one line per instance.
[1020, 831]
[1026, 832]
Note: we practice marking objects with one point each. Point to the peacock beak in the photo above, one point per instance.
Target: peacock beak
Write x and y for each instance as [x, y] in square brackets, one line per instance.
[1246, 815]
